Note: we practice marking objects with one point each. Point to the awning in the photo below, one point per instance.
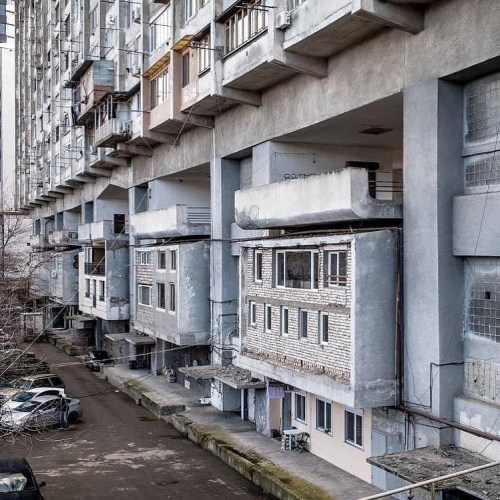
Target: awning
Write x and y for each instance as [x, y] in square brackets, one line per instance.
[139, 339]
[115, 337]
[427, 463]
[233, 376]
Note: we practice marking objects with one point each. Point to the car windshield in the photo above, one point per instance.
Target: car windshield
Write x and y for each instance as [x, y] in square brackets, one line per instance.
[29, 406]
[22, 397]
[20, 383]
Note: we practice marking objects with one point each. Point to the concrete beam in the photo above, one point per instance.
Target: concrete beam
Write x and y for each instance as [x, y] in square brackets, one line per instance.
[134, 150]
[396, 16]
[160, 137]
[119, 162]
[200, 121]
[242, 96]
[303, 64]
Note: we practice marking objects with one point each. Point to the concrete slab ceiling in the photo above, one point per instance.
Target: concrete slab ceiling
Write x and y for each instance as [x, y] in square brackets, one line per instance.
[379, 124]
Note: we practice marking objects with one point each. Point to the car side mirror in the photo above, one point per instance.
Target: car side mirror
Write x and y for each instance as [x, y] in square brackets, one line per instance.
[42, 484]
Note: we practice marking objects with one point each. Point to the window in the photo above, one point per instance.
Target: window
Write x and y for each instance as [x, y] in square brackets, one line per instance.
[297, 269]
[189, 9]
[162, 261]
[101, 291]
[353, 427]
[159, 88]
[323, 415]
[323, 327]
[159, 30]
[144, 295]
[284, 320]
[144, 258]
[292, 4]
[336, 268]
[302, 323]
[160, 288]
[204, 54]
[185, 69]
[300, 407]
[87, 288]
[257, 263]
[244, 24]
[253, 313]
[268, 317]
[173, 260]
[171, 304]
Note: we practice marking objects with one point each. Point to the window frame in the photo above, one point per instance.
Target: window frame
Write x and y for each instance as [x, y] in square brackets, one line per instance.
[324, 413]
[321, 327]
[144, 258]
[102, 291]
[173, 261]
[303, 315]
[284, 320]
[339, 280]
[356, 414]
[185, 69]
[159, 88]
[172, 298]
[252, 313]
[257, 266]
[204, 56]
[161, 297]
[140, 288]
[268, 318]
[300, 406]
[162, 260]
[314, 268]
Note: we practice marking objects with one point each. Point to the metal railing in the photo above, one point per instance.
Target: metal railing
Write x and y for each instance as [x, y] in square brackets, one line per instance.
[95, 268]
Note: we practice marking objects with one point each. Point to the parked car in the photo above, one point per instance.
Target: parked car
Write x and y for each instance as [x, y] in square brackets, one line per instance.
[95, 359]
[39, 413]
[19, 398]
[17, 480]
[29, 382]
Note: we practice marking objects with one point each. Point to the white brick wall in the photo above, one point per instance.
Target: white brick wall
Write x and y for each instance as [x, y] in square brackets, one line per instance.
[144, 276]
[308, 354]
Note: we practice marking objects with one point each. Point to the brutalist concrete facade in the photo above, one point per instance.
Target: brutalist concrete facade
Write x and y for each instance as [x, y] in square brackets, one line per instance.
[288, 124]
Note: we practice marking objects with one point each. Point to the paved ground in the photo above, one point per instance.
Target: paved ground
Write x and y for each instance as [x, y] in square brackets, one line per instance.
[120, 450]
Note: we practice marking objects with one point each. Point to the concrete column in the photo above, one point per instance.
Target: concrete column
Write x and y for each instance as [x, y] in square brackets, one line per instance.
[433, 283]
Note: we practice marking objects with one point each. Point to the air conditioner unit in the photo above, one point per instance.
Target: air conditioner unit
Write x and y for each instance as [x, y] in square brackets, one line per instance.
[136, 70]
[73, 235]
[283, 20]
[110, 20]
[136, 15]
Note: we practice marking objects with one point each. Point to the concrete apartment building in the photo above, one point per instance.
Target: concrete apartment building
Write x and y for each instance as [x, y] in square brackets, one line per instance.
[304, 189]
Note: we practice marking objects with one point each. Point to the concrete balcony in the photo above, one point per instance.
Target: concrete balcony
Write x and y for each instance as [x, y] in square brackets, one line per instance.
[39, 241]
[63, 237]
[341, 195]
[104, 230]
[112, 132]
[176, 220]
[99, 159]
[320, 29]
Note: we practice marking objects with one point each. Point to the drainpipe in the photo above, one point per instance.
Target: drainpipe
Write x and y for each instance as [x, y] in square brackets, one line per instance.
[399, 320]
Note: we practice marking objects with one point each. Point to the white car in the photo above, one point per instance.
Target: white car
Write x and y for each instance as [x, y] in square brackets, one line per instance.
[19, 398]
[39, 413]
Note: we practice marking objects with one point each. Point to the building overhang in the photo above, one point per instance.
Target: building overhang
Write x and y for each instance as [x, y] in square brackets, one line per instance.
[232, 376]
[426, 463]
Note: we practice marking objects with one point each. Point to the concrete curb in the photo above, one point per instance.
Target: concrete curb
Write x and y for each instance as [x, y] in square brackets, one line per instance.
[272, 479]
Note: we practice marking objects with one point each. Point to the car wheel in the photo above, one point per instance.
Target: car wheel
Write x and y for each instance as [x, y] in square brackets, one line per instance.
[73, 417]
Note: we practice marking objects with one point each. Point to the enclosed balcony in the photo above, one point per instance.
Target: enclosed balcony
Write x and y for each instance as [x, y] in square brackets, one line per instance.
[104, 230]
[320, 29]
[341, 195]
[176, 220]
[63, 237]
[111, 132]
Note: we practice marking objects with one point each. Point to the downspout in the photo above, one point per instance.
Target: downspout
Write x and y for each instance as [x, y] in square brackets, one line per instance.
[399, 321]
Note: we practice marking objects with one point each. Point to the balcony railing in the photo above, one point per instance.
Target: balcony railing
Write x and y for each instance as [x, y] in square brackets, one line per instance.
[95, 268]
[112, 132]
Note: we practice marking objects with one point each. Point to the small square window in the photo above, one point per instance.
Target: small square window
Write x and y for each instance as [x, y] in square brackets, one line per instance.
[144, 295]
[336, 268]
[487, 295]
[300, 407]
[144, 258]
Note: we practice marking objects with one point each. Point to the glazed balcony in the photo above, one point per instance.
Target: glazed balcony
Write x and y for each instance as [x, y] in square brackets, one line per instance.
[110, 133]
[104, 230]
[341, 195]
[176, 220]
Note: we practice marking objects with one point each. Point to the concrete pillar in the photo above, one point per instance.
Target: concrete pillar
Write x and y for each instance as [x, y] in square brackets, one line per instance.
[433, 283]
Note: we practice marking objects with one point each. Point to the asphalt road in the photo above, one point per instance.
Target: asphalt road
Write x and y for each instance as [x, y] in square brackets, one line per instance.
[120, 450]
